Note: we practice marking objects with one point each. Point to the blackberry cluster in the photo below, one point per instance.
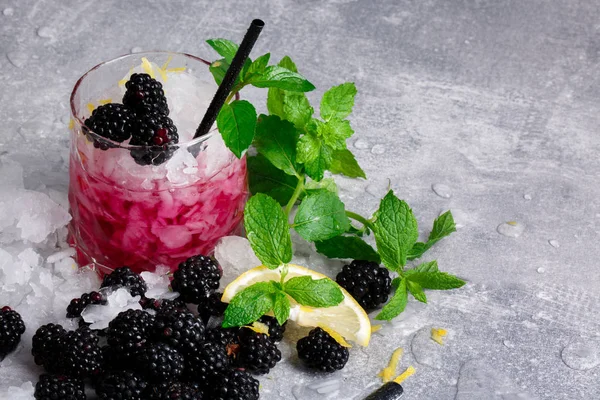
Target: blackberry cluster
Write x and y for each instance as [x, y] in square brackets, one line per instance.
[163, 306]
[235, 385]
[76, 306]
[320, 351]
[53, 387]
[227, 338]
[81, 356]
[47, 346]
[111, 121]
[145, 95]
[367, 282]
[180, 329]
[121, 385]
[157, 134]
[196, 278]
[211, 306]
[206, 363]
[174, 390]
[11, 329]
[160, 362]
[276, 331]
[257, 353]
[127, 335]
[125, 277]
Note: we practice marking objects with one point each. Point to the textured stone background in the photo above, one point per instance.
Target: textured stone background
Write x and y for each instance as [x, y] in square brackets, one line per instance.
[496, 99]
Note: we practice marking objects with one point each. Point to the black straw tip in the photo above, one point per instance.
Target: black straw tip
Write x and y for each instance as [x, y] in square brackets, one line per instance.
[258, 22]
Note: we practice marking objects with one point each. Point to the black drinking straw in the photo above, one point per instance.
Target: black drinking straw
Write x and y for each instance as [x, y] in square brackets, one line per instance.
[230, 76]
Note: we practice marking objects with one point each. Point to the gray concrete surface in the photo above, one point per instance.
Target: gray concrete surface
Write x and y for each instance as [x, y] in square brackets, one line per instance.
[498, 100]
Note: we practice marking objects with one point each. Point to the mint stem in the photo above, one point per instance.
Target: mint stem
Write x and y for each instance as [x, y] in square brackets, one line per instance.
[297, 192]
[360, 219]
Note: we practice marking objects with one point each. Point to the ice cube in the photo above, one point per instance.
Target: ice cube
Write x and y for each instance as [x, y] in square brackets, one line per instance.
[117, 301]
[38, 216]
[158, 283]
[60, 255]
[23, 392]
[14, 272]
[235, 256]
[30, 257]
[182, 168]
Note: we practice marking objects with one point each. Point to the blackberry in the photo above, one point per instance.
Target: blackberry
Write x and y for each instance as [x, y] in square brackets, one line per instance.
[160, 362]
[121, 385]
[164, 305]
[211, 306]
[257, 352]
[125, 277]
[81, 356]
[53, 387]
[174, 391]
[112, 121]
[145, 94]
[180, 329]
[227, 338]
[367, 282]
[275, 330]
[234, 385]
[11, 329]
[47, 346]
[76, 306]
[320, 351]
[206, 363]
[128, 333]
[196, 278]
[157, 135]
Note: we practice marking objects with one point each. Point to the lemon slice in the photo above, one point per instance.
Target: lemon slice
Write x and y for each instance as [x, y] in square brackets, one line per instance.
[347, 318]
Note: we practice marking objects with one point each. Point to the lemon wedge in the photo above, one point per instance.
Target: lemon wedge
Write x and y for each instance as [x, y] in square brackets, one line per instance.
[348, 319]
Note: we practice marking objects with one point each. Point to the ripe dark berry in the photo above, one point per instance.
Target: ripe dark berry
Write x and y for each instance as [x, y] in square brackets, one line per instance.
[145, 94]
[76, 306]
[81, 356]
[160, 362]
[275, 330]
[196, 278]
[47, 346]
[257, 352]
[367, 282]
[121, 385]
[129, 333]
[54, 387]
[157, 134]
[127, 278]
[227, 338]
[234, 385]
[11, 329]
[206, 363]
[320, 351]
[112, 121]
[174, 391]
[211, 306]
[180, 329]
[164, 305]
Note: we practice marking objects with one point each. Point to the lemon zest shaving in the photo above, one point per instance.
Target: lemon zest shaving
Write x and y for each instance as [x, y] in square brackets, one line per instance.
[336, 336]
[259, 327]
[105, 101]
[147, 67]
[402, 377]
[166, 64]
[163, 74]
[388, 372]
[375, 328]
[177, 69]
[513, 223]
[71, 123]
[437, 334]
[90, 107]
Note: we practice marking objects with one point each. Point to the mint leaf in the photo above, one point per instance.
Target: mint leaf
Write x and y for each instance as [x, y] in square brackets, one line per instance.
[264, 177]
[417, 291]
[335, 132]
[436, 280]
[275, 97]
[396, 305]
[314, 293]
[282, 78]
[281, 308]
[321, 216]
[442, 226]
[276, 140]
[315, 156]
[395, 231]
[326, 183]
[431, 266]
[338, 101]
[268, 231]
[347, 247]
[236, 122]
[344, 163]
[225, 48]
[297, 109]
[250, 304]
[258, 66]
[286, 62]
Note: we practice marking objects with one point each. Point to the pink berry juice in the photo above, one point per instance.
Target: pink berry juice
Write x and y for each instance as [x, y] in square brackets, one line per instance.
[141, 216]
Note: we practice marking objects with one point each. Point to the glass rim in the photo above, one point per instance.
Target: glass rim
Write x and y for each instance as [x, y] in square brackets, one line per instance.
[114, 144]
